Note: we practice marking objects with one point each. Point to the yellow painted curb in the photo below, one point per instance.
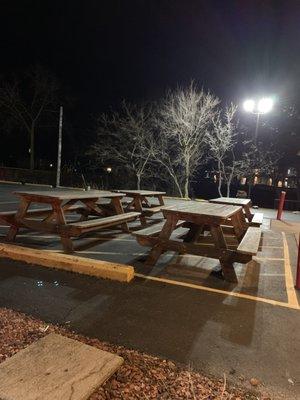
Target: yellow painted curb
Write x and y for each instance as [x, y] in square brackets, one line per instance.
[87, 266]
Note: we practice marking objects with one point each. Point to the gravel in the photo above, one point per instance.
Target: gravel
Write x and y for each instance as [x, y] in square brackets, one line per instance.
[142, 376]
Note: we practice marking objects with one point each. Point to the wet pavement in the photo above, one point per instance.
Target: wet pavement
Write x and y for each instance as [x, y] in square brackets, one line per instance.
[184, 312]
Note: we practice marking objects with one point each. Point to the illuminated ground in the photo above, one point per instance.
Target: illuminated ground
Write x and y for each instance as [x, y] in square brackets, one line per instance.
[178, 310]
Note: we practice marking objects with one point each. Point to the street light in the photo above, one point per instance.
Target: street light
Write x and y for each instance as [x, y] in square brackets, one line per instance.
[258, 108]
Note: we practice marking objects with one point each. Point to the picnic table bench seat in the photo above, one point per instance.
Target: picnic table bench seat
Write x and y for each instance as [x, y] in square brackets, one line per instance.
[250, 242]
[155, 210]
[257, 219]
[154, 229]
[39, 212]
[78, 228]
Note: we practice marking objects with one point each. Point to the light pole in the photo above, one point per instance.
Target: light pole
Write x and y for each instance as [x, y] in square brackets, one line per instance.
[258, 107]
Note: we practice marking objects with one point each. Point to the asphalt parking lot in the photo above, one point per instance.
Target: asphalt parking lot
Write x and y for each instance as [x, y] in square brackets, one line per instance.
[179, 309]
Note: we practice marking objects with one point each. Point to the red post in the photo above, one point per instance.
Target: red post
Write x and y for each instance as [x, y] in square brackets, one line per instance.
[297, 286]
[280, 205]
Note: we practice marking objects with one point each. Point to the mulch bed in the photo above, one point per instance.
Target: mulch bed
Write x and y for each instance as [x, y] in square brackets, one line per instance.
[141, 376]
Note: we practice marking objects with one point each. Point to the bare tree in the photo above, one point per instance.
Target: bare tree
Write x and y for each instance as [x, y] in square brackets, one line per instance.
[221, 140]
[262, 161]
[28, 100]
[125, 139]
[182, 121]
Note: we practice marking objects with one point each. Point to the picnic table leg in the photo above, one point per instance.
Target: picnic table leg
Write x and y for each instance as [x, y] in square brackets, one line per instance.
[161, 200]
[145, 200]
[239, 225]
[194, 233]
[129, 205]
[14, 229]
[91, 205]
[139, 208]
[165, 234]
[248, 213]
[225, 261]
[64, 238]
[117, 205]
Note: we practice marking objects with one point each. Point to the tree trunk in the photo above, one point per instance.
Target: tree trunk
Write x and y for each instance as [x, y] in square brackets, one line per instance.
[177, 184]
[186, 188]
[220, 179]
[220, 185]
[138, 181]
[178, 188]
[228, 189]
[187, 175]
[32, 147]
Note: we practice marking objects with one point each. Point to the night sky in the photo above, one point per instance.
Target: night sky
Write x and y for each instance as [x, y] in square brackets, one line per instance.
[104, 51]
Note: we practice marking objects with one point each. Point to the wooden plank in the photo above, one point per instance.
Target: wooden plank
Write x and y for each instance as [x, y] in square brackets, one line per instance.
[117, 205]
[41, 211]
[257, 219]
[140, 192]
[86, 266]
[77, 228]
[105, 221]
[239, 224]
[47, 196]
[154, 210]
[154, 229]
[203, 213]
[231, 200]
[13, 230]
[55, 368]
[164, 235]
[250, 242]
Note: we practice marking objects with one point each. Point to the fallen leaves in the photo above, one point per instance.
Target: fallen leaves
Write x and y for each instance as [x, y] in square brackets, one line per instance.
[140, 377]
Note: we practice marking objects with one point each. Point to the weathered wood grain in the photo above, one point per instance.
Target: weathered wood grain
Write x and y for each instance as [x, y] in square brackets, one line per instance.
[55, 368]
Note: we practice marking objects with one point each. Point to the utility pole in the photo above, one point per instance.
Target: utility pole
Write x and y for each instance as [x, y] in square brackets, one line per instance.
[59, 146]
[256, 129]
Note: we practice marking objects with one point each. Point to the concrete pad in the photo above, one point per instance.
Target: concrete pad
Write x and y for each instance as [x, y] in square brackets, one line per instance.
[55, 368]
[285, 226]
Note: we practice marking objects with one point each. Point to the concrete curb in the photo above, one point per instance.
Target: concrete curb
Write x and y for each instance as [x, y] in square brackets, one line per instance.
[70, 187]
[38, 184]
[11, 182]
[87, 266]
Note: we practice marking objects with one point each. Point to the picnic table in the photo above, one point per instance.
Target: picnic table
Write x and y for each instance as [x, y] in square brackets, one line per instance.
[197, 218]
[141, 202]
[255, 219]
[53, 219]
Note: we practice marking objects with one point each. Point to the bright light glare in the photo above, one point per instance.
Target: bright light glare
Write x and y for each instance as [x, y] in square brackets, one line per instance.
[249, 105]
[265, 105]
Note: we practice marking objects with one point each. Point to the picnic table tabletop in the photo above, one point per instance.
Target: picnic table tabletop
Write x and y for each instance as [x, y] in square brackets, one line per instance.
[231, 200]
[245, 203]
[141, 192]
[67, 194]
[203, 210]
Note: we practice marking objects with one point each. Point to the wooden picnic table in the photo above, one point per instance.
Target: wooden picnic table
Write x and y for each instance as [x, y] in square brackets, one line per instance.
[140, 202]
[235, 201]
[199, 217]
[255, 219]
[62, 202]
